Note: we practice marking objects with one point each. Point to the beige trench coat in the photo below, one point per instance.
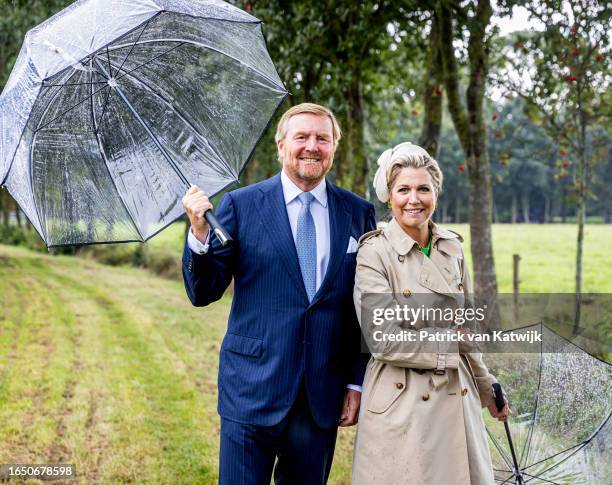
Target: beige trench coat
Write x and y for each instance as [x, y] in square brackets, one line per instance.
[416, 427]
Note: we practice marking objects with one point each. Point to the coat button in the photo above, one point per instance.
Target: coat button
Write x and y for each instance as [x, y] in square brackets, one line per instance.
[406, 292]
[399, 385]
[425, 396]
[460, 286]
[401, 258]
[464, 392]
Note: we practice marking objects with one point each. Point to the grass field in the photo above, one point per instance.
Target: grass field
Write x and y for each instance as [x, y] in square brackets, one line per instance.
[548, 255]
[110, 368]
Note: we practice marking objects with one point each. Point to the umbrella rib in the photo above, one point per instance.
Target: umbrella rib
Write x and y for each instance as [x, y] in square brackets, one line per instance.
[199, 44]
[131, 48]
[507, 480]
[187, 122]
[2, 182]
[104, 106]
[73, 84]
[499, 450]
[106, 164]
[539, 478]
[527, 449]
[43, 230]
[71, 108]
[151, 60]
[163, 151]
[110, 75]
[556, 454]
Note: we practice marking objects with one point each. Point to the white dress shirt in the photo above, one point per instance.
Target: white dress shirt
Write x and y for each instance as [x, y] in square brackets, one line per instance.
[320, 215]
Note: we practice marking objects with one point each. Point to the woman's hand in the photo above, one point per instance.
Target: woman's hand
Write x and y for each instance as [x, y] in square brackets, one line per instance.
[500, 415]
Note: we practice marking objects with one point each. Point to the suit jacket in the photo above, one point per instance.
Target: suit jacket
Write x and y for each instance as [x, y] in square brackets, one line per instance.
[275, 337]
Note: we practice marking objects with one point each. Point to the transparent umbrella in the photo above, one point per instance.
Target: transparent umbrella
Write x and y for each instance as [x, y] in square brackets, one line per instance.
[114, 107]
[560, 426]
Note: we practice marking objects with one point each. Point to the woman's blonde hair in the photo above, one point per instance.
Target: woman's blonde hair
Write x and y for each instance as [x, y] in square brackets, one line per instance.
[415, 160]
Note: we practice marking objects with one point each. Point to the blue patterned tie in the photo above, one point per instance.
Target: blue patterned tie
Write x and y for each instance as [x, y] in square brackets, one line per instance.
[306, 245]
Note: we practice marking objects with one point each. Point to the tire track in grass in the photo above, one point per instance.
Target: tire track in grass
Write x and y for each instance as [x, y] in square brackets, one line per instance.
[157, 432]
[35, 375]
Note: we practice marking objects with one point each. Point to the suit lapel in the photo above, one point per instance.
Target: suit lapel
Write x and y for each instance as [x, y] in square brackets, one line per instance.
[276, 222]
[340, 223]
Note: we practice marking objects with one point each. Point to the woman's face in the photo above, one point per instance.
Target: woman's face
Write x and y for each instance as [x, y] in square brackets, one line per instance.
[413, 198]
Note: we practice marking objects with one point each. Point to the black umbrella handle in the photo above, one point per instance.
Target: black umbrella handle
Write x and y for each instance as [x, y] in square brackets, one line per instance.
[500, 402]
[217, 228]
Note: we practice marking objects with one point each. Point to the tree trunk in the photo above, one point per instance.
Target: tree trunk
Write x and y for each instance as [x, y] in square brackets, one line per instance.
[514, 209]
[4, 206]
[432, 94]
[355, 149]
[471, 131]
[458, 208]
[18, 217]
[580, 210]
[546, 209]
[563, 206]
[525, 205]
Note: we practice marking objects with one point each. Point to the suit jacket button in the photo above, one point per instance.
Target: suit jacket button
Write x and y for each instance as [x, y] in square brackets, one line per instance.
[425, 396]
[399, 385]
[406, 292]
[464, 392]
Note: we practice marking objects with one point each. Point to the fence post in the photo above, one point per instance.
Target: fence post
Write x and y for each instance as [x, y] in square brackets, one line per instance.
[515, 285]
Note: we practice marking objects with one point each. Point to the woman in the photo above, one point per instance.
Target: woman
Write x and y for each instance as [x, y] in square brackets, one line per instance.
[420, 420]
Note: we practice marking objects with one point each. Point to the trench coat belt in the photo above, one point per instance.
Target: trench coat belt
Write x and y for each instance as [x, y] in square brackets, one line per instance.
[436, 380]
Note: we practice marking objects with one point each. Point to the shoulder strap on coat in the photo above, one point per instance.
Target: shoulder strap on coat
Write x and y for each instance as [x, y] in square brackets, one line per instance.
[368, 235]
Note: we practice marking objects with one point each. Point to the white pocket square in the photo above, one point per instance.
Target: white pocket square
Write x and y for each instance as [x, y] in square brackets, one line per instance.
[352, 245]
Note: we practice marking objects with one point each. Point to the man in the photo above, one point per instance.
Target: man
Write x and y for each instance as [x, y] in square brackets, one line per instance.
[290, 365]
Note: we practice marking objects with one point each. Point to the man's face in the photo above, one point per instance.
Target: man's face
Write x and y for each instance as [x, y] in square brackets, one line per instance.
[307, 151]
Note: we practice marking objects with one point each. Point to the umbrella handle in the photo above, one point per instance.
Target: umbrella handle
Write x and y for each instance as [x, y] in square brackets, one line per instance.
[217, 228]
[500, 402]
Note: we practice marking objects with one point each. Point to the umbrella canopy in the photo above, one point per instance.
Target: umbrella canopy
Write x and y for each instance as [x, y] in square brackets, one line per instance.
[561, 401]
[114, 107]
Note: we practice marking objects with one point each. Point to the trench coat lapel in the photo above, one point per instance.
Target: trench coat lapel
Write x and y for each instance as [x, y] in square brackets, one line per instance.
[276, 222]
[340, 217]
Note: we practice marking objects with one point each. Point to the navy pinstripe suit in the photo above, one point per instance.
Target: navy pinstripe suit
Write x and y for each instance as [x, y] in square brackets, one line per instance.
[277, 344]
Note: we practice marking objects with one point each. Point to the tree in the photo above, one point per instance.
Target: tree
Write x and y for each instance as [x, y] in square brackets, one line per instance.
[324, 52]
[470, 126]
[563, 73]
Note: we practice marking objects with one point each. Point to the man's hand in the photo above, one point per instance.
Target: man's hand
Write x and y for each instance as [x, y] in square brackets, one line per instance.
[350, 408]
[499, 415]
[196, 204]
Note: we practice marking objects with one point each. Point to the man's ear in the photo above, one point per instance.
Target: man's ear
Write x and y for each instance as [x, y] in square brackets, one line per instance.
[280, 145]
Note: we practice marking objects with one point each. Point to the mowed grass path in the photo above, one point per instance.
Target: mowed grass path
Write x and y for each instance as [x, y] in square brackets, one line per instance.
[111, 369]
